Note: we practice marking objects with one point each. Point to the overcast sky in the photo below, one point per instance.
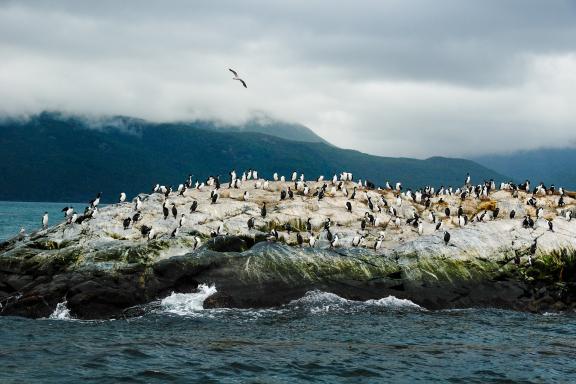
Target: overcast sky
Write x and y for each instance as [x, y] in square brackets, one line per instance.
[388, 77]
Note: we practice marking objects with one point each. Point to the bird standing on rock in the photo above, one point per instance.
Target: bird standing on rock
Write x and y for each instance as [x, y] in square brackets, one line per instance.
[94, 203]
[137, 204]
[45, 220]
[312, 240]
[263, 210]
[165, 210]
[299, 239]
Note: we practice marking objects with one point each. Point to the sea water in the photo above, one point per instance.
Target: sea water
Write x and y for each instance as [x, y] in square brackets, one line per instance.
[320, 337]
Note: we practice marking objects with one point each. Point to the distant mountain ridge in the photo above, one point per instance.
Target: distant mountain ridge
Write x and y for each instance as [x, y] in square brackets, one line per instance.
[549, 165]
[53, 157]
[268, 126]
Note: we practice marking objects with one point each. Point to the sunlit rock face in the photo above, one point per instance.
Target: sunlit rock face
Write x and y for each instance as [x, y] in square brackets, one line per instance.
[102, 268]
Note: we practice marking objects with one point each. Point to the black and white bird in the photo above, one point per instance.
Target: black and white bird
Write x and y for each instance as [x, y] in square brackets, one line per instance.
[550, 226]
[72, 219]
[263, 210]
[512, 214]
[357, 240]
[137, 217]
[446, 237]
[122, 197]
[145, 230]
[495, 213]
[45, 220]
[312, 240]
[175, 232]
[214, 198]
[334, 241]
[137, 204]
[299, 239]
[182, 220]
[68, 211]
[174, 210]
[378, 242]
[309, 225]
[165, 211]
[237, 78]
[251, 223]
[349, 206]
[246, 196]
[273, 234]
[126, 223]
[94, 203]
[197, 242]
[193, 206]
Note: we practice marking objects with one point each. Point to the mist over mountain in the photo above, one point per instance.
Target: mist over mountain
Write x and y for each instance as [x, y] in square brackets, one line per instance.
[56, 157]
[550, 165]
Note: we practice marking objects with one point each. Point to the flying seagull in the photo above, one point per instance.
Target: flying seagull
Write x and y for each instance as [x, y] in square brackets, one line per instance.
[237, 78]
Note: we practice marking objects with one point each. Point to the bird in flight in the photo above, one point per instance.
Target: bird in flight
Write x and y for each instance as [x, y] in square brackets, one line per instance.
[237, 78]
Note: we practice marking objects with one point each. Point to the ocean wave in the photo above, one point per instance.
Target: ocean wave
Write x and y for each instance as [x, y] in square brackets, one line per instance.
[187, 303]
[61, 312]
[323, 302]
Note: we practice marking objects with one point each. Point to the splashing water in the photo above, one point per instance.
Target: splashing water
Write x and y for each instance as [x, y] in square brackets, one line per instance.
[61, 312]
[394, 302]
[323, 302]
[188, 303]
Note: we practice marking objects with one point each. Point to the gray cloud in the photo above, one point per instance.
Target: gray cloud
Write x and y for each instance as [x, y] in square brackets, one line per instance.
[396, 77]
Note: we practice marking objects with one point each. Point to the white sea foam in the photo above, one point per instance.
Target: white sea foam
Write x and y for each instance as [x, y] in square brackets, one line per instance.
[394, 302]
[322, 302]
[61, 312]
[188, 303]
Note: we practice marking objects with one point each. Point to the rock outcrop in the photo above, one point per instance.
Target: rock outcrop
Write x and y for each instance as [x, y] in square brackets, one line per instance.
[103, 270]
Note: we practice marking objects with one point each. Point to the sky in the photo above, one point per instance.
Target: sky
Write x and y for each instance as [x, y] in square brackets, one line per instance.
[387, 77]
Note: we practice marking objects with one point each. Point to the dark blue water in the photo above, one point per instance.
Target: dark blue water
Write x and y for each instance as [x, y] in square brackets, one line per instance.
[319, 338]
[15, 215]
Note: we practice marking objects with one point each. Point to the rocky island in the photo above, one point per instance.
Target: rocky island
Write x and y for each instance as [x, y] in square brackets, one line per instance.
[264, 243]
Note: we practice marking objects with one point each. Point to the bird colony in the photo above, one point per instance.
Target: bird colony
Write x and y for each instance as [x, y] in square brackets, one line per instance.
[324, 213]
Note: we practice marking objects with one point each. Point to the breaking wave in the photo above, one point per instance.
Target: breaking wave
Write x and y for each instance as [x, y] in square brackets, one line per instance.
[61, 312]
[187, 303]
[323, 302]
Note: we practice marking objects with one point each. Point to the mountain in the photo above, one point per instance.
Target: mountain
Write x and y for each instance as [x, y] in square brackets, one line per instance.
[266, 125]
[51, 157]
[552, 166]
